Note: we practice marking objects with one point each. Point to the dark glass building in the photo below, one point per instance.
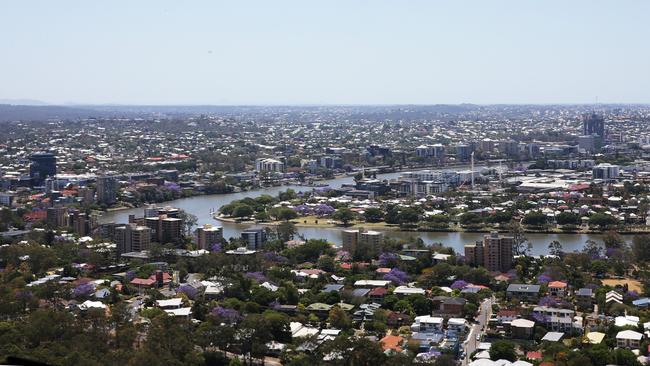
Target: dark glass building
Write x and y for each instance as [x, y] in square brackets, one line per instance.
[43, 165]
[593, 124]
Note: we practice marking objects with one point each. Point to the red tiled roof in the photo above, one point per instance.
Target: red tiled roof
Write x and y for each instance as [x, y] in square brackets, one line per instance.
[557, 284]
[534, 355]
[378, 291]
[143, 281]
[392, 342]
[166, 277]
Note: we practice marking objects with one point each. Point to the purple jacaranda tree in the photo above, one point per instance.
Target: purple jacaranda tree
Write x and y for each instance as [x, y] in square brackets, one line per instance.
[188, 290]
[540, 318]
[632, 295]
[129, 275]
[387, 259]
[548, 301]
[172, 186]
[544, 278]
[84, 289]
[324, 210]
[215, 248]
[459, 284]
[302, 209]
[226, 315]
[396, 276]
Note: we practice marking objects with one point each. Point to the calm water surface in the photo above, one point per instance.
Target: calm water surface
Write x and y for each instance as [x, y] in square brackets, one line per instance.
[203, 206]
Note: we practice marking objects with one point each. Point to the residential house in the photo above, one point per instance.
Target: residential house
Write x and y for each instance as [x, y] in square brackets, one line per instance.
[629, 339]
[506, 316]
[397, 319]
[447, 306]
[522, 328]
[523, 292]
[557, 288]
[406, 291]
[613, 296]
[457, 325]
[372, 283]
[585, 298]
[377, 294]
[427, 323]
[555, 319]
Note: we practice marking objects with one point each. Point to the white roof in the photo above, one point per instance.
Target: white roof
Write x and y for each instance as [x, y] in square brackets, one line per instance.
[627, 320]
[488, 362]
[374, 283]
[408, 290]
[629, 334]
[179, 312]
[428, 319]
[553, 336]
[92, 305]
[300, 330]
[456, 321]
[169, 303]
[522, 323]
[269, 286]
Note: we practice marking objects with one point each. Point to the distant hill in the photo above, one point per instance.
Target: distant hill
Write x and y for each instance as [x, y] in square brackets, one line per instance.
[22, 102]
[39, 113]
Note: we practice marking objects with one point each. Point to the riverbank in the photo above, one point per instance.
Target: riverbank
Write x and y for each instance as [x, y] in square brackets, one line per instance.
[324, 223]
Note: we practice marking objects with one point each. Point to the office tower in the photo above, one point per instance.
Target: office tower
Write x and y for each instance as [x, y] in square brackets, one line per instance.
[43, 165]
[106, 190]
[495, 252]
[254, 238]
[57, 216]
[593, 124]
[208, 235]
[132, 238]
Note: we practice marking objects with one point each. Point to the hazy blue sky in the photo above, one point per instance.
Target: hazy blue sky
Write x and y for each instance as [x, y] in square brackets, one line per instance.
[325, 52]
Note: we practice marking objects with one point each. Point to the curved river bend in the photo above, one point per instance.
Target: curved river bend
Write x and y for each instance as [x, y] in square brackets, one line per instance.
[202, 206]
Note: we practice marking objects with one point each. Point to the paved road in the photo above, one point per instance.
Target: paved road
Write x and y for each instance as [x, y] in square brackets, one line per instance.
[485, 311]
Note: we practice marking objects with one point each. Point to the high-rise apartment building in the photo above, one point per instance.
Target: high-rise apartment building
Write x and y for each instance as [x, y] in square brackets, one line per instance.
[364, 243]
[350, 240]
[57, 216]
[495, 252]
[165, 229]
[106, 190]
[132, 238]
[208, 235]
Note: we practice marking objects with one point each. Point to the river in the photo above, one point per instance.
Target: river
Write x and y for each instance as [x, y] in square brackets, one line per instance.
[201, 206]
